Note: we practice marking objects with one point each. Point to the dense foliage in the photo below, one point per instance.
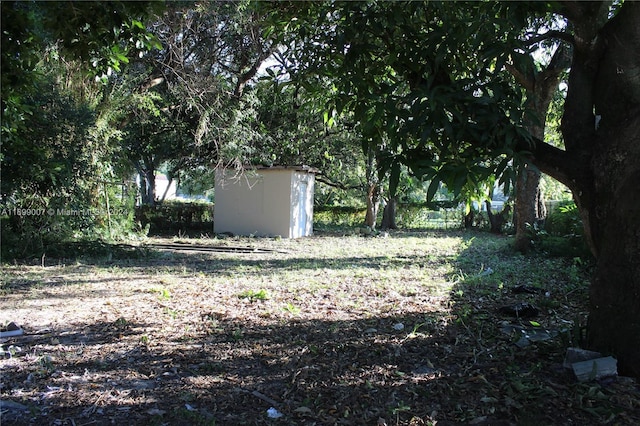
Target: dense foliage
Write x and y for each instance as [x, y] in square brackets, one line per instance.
[61, 174]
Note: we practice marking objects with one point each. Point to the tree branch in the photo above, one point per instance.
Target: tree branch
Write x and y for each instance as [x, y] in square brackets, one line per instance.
[339, 185]
[551, 34]
[525, 81]
[561, 59]
[557, 163]
[249, 74]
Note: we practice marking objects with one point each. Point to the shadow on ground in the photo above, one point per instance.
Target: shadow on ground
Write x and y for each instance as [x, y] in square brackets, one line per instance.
[449, 364]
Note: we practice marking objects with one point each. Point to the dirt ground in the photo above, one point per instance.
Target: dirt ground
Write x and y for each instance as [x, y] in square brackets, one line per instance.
[328, 330]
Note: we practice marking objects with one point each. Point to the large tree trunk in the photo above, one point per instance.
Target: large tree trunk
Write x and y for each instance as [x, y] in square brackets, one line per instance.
[373, 203]
[526, 206]
[613, 208]
[148, 187]
[389, 215]
[601, 165]
[614, 315]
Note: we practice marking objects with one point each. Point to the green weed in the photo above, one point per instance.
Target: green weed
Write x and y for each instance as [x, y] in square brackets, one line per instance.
[237, 335]
[163, 293]
[253, 295]
[292, 309]
[172, 313]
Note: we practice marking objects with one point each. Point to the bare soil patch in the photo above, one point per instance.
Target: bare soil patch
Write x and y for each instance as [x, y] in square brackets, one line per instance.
[333, 329]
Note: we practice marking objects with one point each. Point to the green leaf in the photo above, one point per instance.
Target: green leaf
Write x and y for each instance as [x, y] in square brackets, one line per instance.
[433, 188]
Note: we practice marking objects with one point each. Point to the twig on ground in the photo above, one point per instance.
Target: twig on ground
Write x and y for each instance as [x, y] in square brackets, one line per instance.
[259, 395]
[90, 410]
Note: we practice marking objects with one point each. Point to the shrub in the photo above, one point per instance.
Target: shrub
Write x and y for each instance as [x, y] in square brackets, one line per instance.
[329, 216]
[176, 216]
[563, 234]
[430, 216]
[564, 220]
[408, 215]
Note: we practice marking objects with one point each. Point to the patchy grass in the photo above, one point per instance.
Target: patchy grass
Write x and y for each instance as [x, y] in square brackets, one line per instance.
[333, 329]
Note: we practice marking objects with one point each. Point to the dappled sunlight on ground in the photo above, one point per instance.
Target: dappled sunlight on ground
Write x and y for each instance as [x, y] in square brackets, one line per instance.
[327, 330]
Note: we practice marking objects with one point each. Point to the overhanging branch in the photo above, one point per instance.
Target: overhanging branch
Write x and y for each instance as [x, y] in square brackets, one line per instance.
[550, 35]
[555, 162]
[339, 185]
[525, 81]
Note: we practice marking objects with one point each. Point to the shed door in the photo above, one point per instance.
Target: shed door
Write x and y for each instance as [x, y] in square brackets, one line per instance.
[301, 225]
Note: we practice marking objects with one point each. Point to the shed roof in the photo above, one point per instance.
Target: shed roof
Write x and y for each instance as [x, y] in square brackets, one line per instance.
[299, 168]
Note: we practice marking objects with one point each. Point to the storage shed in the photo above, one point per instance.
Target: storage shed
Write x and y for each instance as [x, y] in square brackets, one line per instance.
[265, 201]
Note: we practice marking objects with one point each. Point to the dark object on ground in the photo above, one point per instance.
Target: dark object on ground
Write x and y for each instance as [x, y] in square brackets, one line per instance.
[527, 289]
[520, 310]
[13, 412]
[209, 248]
[528, 334]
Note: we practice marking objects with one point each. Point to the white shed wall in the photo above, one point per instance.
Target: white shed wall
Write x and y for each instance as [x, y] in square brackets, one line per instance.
[301, 212]
[265, 202]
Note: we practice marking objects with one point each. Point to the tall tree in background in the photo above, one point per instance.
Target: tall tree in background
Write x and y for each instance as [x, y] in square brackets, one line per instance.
[152, 132]
[211, 52]
[540, 82]
[467, 120]
[295, 131]
[52, 173]
[184, 106]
